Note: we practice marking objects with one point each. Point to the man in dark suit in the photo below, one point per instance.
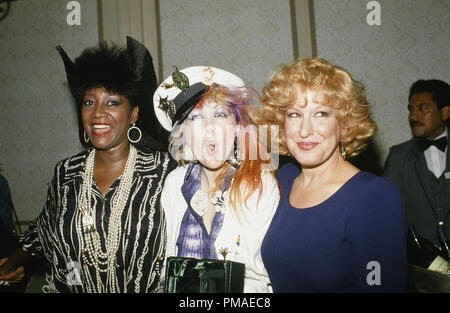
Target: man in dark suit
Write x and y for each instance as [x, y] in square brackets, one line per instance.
[421, 166]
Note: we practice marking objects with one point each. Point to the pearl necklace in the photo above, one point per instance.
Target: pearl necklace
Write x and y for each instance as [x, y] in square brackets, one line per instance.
[104, 261]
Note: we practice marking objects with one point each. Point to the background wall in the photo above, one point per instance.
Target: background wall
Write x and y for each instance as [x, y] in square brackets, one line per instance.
[249, 38]
[411, 43]
[37, 115]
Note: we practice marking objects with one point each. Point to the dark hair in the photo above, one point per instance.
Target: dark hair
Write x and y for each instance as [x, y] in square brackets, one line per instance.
[440, 91]
[127, 71]
[105, 67]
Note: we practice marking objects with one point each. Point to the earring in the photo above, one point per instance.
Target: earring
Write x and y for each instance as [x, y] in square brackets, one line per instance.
[234, 160]
[343, 152]
[86, 137]
[139, 131]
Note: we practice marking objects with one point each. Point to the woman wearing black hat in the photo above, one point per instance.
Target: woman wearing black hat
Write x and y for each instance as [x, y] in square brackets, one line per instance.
[102, 228]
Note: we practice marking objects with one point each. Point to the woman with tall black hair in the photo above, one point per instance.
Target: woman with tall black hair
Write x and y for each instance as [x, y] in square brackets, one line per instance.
[102, 228]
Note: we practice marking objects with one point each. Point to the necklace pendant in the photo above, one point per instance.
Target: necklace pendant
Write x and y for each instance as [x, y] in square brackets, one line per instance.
[88, 223]
[200, 203]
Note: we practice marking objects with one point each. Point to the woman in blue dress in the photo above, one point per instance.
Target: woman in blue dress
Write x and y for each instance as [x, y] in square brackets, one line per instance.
[336, 229]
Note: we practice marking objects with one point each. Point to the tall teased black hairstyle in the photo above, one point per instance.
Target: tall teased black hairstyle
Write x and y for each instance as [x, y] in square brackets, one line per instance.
[126, 71]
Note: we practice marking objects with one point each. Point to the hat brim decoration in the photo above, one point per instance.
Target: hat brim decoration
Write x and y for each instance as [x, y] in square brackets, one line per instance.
[178, 94]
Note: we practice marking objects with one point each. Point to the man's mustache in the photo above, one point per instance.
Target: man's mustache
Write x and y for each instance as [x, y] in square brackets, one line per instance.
[415, 123]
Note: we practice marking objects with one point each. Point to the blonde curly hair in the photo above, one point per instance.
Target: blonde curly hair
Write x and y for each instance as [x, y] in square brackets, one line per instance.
[339, 91]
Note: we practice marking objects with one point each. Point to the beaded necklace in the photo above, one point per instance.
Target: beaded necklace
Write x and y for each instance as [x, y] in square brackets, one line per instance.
[93, 255]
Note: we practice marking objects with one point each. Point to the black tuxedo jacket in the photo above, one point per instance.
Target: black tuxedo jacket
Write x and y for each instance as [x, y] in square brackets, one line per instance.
[427, 198]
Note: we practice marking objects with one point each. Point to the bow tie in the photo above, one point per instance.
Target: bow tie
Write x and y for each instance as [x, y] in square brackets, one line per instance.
[440, 143]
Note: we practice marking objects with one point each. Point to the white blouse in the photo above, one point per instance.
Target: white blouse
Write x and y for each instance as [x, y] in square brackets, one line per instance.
[250, 227]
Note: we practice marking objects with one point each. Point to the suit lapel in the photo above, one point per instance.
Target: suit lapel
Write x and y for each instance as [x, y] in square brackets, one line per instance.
[423, 173]
[447, 183]
[447, 158]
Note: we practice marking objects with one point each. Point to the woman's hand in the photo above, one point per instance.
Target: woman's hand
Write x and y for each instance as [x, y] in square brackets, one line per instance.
[10, 274]
[11, 268]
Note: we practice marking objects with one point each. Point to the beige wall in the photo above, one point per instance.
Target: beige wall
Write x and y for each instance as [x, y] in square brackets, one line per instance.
[248, 38]
[37, 117]
[411, 43]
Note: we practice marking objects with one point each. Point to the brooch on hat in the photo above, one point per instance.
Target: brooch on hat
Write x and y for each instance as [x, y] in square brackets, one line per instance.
[167, 85]
[179, 79]
[167, 106]
[208, 75]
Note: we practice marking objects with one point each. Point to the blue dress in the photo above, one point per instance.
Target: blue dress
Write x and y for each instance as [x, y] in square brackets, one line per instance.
[331, 247]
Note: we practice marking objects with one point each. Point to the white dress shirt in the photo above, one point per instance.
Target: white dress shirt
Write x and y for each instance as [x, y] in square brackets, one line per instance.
[436, 158]
[249, 228]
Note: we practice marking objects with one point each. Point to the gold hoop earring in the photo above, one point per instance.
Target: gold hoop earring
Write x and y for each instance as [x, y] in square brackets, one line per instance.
[138, 130]
[85, 137]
